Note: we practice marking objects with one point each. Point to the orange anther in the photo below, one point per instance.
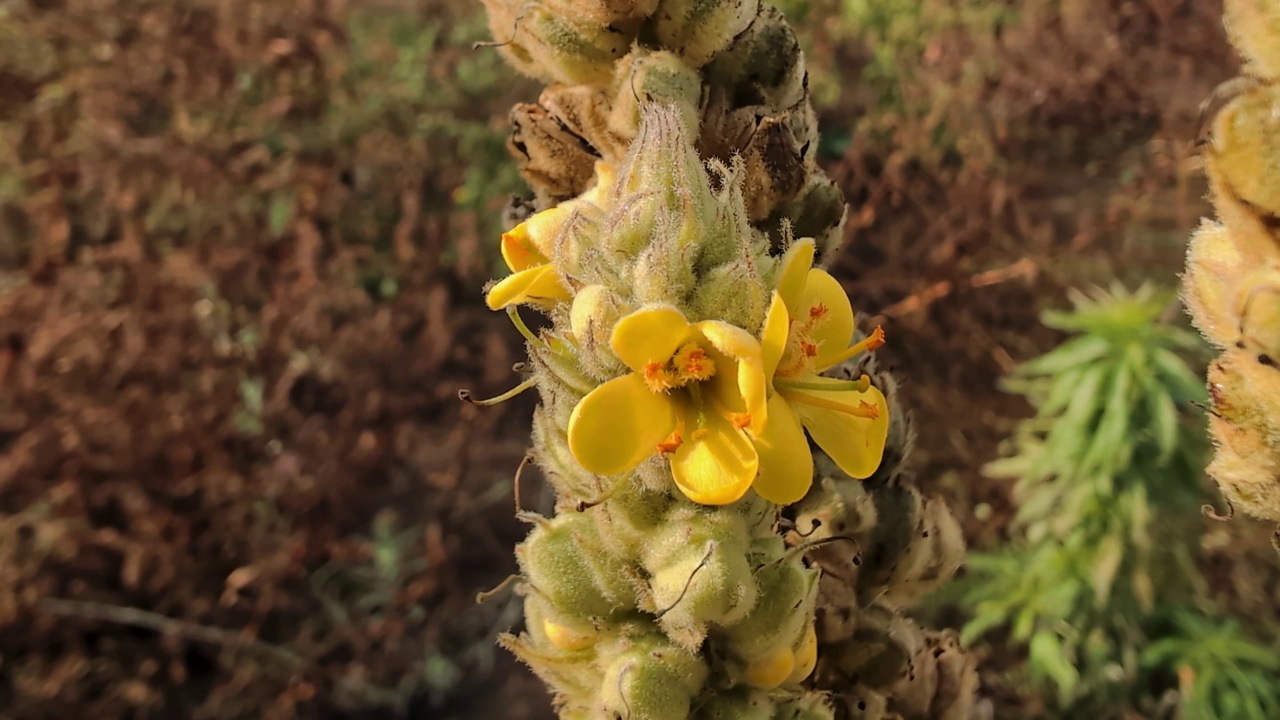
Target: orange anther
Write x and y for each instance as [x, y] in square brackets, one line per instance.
[809, 349]
[868, 410]
[818, 311]
[740, 420]
[671, 444]
[876, 339]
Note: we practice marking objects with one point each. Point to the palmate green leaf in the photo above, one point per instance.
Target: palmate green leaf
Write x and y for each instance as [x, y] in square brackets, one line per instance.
[1072, 353]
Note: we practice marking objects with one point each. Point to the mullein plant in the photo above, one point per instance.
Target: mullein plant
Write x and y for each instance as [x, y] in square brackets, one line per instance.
[704, 560]
[1102, 587]
[1232, 281]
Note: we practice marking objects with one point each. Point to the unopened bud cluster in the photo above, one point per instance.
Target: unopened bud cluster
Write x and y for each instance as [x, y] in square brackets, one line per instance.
[1232, 282]
[733, 69]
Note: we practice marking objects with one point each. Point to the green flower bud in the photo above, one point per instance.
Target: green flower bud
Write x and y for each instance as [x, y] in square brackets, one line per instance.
[595, 311]
[811, 706]
[782, 613]
[651, 681]
[699, 574]
[555, 46]
[741, 705]
[734, 292]
[646, 77]
[702, 28]
[561, 560]
[763, 66]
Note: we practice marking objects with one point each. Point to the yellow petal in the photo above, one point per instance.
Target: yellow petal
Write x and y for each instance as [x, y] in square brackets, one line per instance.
[538, 283]
[750, 384]
[716, 463]
[786, 465]
[606, 175]
[619, 425]
[793, 272]
[855, 443]
[773, 341]
[834, 330]
[649, 335]
[518, 252]
[543, 227]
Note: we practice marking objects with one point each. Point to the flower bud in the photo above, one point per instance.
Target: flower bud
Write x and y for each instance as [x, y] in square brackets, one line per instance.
[555, 46]
[781, 614]
[698, 29]
[560, 559]
[652, 680]
[647, 77]
[1254, 28]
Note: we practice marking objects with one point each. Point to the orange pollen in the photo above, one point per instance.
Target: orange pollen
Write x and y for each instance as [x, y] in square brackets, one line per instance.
[740, 420]
[695, 362]
[809, 349]
[671, 444]
[876, 339]
[868, 410]
[818, 311]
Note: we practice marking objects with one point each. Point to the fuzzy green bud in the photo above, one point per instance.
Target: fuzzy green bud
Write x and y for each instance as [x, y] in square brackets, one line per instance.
[555, 46]
[645, 77]
[701, 28]
[777, 622]
[560, 560]
[654, 681]
[699, 574]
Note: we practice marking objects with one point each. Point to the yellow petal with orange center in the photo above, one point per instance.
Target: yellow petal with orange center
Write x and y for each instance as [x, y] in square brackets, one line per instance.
[619, 425]
[540, 283]
[836, 421]
[786, 465]
[825, 304]
[651, 334]
[773, 340]
[716, 462]
[794, 271]
[750, 384]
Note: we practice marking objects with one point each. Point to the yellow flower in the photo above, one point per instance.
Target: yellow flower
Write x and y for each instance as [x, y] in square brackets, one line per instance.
[806, 332]
[693, 392]
[527, 251]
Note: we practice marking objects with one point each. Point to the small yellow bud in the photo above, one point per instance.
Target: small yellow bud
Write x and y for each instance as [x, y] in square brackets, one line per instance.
[806, 657]
[772, 670]
[566, 638]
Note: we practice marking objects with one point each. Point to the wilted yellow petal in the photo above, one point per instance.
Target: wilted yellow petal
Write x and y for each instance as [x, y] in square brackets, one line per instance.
[786, 465]
[833, 328]
[651, 334]
[834, 421]
[716, 463]
[773, 340]
[619, 424]
[538, 283]
[794, 271]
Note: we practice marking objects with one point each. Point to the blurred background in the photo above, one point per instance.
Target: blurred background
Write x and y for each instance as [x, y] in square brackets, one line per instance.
[242, 251]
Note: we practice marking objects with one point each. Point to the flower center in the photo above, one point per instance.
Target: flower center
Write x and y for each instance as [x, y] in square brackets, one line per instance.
[689, 364]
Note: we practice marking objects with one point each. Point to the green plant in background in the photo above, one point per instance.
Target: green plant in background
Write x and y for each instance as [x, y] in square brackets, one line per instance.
[1108, 490]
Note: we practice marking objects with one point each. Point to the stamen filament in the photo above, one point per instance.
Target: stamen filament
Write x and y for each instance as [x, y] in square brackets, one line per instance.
[518, 321]
[465, 395]
[862, 384]
[863, 409]
[871, 342]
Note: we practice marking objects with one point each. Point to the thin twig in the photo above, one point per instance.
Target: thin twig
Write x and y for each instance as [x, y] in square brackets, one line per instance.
[135, 617]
